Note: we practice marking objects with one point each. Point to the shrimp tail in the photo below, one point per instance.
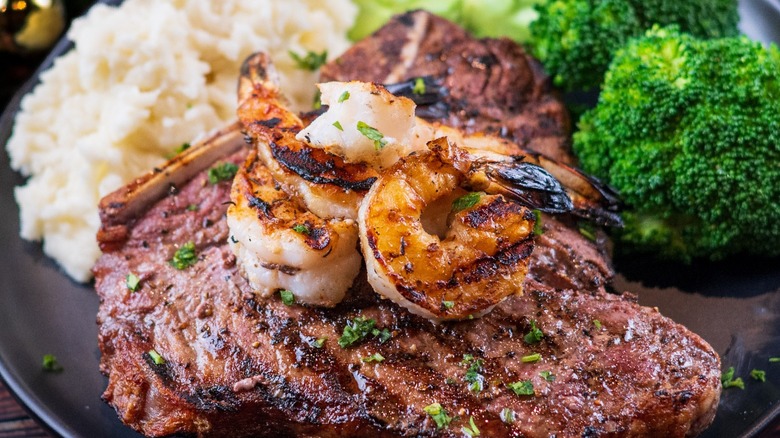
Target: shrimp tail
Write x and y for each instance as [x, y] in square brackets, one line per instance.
[262, 107]
[592, 199]
[498, 165]
[256, 70]
[555, 188]
[529, 184]
[511, 176]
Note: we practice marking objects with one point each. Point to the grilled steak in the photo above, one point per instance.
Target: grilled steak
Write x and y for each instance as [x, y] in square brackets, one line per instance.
[492, 85]
[195, 351]
[241, 366]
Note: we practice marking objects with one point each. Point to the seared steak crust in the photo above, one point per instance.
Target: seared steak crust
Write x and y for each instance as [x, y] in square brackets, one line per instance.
[241, 366]
[492, 85]
[238, 365]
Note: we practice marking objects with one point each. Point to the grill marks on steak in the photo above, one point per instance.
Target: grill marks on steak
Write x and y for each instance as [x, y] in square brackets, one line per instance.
[493, 85]
[242, 366]
[239, 365]
[564, 258]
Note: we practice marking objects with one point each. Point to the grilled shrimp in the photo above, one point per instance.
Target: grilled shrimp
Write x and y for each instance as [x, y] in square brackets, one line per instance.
[591, 199]
[365, 123]
[292, 222]
[281, 245]
[481, 258]
[317, 176]
[292, 219]
[329, 186]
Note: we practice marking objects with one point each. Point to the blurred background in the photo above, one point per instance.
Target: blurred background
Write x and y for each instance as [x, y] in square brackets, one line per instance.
[28, 29]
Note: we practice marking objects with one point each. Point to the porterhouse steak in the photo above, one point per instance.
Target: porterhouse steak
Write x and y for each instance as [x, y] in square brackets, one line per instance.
[233, 364]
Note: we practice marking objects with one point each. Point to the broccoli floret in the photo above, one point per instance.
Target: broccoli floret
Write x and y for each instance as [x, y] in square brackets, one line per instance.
[575, 39]
[688, 131]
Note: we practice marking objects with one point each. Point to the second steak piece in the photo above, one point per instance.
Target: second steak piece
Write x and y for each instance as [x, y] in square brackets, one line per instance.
[492, 85]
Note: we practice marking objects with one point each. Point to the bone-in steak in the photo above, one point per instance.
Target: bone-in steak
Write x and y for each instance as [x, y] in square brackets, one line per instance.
[240, 366]
[195, 351]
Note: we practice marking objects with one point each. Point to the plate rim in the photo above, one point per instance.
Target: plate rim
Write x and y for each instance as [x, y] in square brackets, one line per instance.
[23, 393]
[17, 386]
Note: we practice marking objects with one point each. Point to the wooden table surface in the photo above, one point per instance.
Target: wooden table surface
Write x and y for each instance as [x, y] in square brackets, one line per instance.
[14, 421]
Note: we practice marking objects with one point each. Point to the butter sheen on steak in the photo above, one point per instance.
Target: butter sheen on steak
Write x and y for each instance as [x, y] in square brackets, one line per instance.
[236, 365]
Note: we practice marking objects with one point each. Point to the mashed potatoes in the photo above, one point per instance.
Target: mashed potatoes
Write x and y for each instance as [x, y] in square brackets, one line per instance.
[143, 79]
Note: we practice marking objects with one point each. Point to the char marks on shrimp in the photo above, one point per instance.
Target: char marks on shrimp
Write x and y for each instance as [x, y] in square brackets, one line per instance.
[253, 366]
[319, 167]
[480, 261]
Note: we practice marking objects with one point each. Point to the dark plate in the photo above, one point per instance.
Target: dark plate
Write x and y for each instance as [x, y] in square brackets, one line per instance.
[734, 305]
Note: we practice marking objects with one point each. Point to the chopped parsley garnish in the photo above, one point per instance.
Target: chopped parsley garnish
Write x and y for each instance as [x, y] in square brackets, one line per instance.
[132, 282]
[184, 256]
[338, 126]
[538, 229]
[531, 358]
[50, 363]
[547, 375]
[287, 297]
[439, 415]
[448, 304]
[735, 383]
[356, 330]
[759, 375]
[182, 148]
[156, 358]
[534, 335]
[466, 201]
[507, 416]
[419, 86]
[222, 172]
[774, 359]
[473, 377]
[383, 335]
[470, 430]
[193, 207]
[588, 231]
[317, 102]
[319, 342]
[728, 381]
[376, 357]
[597, 324]
[302, 229]
[522, 387]
[344, 96]
[372, 134]
[311, 61]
